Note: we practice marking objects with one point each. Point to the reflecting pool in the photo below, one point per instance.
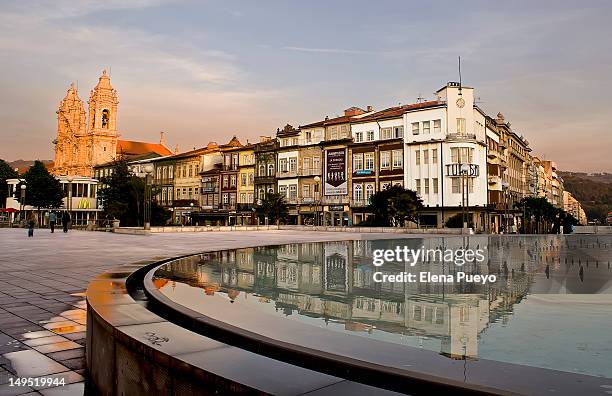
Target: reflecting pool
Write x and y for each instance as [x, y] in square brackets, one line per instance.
[550, 305]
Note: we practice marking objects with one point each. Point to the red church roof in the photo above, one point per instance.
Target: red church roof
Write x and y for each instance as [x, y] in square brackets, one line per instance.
[130, 147]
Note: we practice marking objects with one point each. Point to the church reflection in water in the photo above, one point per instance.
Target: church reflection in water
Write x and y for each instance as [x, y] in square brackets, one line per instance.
[333, 282]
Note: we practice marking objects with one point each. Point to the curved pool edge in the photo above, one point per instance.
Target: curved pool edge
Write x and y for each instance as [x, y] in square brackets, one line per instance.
[131, 350]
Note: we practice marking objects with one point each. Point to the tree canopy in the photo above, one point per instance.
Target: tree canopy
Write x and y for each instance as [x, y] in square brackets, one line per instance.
[274, 207]
[395, 206]
[6, 172]
[122, 197]
[43, 190]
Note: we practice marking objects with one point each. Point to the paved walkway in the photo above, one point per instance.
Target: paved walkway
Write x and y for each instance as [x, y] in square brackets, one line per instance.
[42, 285]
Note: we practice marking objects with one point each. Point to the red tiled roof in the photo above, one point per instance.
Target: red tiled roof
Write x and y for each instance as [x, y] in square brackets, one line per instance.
[397, 110]
[130, 147]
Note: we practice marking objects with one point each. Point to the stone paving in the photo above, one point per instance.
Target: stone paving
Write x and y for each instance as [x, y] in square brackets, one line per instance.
[42, 285]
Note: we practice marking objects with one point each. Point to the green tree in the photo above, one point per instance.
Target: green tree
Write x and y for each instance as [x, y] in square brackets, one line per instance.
[274, 207]
[43, 190]
[6, 172]
[394, 206]
[122, 197]
[456, 221]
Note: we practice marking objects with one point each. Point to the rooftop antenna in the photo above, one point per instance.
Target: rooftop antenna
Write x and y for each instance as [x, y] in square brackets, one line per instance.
[460, 76]
[420, 98]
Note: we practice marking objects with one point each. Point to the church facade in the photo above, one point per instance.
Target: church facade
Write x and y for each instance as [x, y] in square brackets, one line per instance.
[84, 141]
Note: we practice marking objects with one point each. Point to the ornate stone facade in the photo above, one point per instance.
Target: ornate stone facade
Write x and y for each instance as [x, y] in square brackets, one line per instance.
[81, 144]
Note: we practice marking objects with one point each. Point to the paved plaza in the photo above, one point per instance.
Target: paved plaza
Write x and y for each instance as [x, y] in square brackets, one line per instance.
[43, 280]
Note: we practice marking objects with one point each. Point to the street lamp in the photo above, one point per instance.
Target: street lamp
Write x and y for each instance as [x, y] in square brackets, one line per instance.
[148, 169]
[22, 202]
[465, 191]
[191, 213]
[505, 186]
[69, 179]
[317, 180]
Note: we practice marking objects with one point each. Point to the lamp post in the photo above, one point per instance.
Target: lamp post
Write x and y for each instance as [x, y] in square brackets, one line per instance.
[317, 180]
[465, 190]
[22, 202]
[69, 179]
[148, 169]
[191, 213]
[505, 186]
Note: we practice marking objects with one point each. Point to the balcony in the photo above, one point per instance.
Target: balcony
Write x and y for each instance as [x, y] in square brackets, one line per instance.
[360, 203]
[285, 174]
[209, 190]
[310, 172]
[245, 207]
[265, 179]
[493, 179]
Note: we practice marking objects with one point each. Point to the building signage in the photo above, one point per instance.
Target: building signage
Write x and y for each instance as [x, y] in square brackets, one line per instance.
[363, 172]
[336, 208]
[468, 170]
[335, 172]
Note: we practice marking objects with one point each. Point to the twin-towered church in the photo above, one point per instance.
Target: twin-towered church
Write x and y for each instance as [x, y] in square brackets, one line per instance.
[83, 142]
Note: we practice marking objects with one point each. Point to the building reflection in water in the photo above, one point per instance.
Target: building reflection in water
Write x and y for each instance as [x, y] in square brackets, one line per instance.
[333, 281]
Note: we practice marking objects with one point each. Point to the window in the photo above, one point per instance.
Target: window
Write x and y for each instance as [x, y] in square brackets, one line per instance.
[456, 185]
[243, 198]
[292, 164]
[243, 179]
[308, 137]
[437, 126]
[417, 185]
[184, 171]
[426, 186]
[293, 192]
[358, 192]
[282, 190]
[357, 162]
[385, 160]
[225, 181]
[398, 131]
[343, 131]
[386, 133]
[307, 166]
[251, 177]
[233, 180]
[294, 141]
[398, 159]
[358, 137]
[270, 169]
[426, 127]
[369, 161]
[370, 136]
[426, 157]
[262, 170]
[462, 155]
[333, 133]
[417, 157]
[225, 198]
[306, 190]
[470, 185]
[369, 191]
[415, 128]
[434, 181]
[461, 126]
[316, 163]
[434, 156]
[282, 164]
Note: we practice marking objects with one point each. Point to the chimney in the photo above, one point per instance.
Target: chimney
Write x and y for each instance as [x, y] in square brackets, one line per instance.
[176, 149]
[369, 109]
[326, 118]
[161, 138]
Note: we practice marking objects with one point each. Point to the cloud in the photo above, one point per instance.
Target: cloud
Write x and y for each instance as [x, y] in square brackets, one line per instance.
[328, 50]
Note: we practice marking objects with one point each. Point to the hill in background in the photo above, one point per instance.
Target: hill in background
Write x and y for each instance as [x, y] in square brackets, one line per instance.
[592, 190]
[24, 165]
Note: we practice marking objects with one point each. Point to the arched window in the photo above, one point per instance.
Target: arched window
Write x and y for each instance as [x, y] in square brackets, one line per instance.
[262, 170]
[270, 169]
[358, 192]
[105, 118]
[369, 191]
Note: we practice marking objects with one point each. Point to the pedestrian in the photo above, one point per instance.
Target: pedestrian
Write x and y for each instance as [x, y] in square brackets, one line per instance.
[66, 221]
[52, 220]
[31, 223]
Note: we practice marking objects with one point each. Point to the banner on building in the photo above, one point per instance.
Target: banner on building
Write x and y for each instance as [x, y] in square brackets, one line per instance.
[335, 172]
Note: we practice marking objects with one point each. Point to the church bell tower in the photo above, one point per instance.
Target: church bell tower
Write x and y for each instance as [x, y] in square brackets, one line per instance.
[102, 128]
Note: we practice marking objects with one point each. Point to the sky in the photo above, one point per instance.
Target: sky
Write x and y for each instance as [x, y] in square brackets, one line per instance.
[204, 71]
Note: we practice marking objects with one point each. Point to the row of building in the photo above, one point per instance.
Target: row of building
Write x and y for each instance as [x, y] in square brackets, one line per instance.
[448, 150]
[455, 156]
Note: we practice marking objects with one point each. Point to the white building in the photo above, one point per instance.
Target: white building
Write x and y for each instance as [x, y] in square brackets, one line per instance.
[446, 156]
[80, 199]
